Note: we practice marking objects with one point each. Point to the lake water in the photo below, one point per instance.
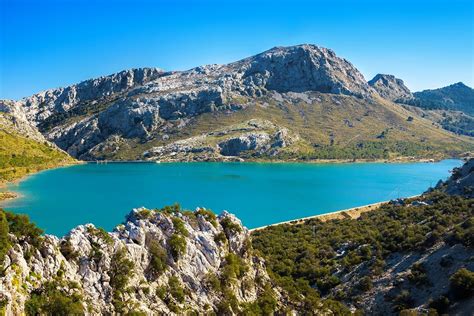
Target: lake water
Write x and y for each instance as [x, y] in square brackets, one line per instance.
[258, 193]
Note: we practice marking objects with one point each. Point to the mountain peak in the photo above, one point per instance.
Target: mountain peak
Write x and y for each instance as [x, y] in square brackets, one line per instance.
[390, 87]
[302, 68]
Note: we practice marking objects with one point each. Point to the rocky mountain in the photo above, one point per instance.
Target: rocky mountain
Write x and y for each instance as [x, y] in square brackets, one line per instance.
[321, 101]
[390, 87]
[450, 107]
[457, 97]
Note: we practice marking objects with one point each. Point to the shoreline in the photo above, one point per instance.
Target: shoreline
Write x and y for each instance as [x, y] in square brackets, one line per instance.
[349, 213]
[315, 161]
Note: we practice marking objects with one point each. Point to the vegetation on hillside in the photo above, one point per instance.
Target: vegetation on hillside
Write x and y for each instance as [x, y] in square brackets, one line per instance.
[308, 259]
[20, 156]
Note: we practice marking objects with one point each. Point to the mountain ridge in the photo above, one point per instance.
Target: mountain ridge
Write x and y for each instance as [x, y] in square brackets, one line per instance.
[297, 88]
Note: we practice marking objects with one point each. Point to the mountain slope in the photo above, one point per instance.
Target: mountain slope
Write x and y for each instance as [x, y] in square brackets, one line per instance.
[23, 149]
[458, 97]
[412, 255]
[317, 98]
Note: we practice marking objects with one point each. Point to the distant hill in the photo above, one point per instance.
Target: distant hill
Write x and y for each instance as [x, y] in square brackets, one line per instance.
[288, 103]
[458, 97]
[452, 107]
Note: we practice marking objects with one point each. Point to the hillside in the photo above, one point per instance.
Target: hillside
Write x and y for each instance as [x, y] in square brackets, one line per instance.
[410, 254]
[458, 97]
[308, 104]
[23, 149]
[451, 107]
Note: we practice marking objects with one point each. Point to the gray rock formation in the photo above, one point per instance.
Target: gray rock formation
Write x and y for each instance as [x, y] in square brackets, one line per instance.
[390, 88]
[88, 256]
[144, 103]
[227, 144]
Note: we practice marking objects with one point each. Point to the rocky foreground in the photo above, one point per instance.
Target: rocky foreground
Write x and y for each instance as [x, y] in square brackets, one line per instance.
[165, 262]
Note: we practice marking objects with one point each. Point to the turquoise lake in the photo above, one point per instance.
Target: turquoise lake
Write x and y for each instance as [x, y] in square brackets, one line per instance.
[258, 193]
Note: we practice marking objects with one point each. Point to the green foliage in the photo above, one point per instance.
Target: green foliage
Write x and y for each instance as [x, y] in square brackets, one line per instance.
[220, 238]
[462, 283]
[67, 250]
[179, 228]
[100, 233]
[230, 227]
[177, 246]
[234, 268]
[144, 214]
[176, 290]
[418, 275]
[171, 209]
[53, 298]
[20, 226]
[4, 239]
[208, 215]
[121, 269]
[303, 258]
[158, 258]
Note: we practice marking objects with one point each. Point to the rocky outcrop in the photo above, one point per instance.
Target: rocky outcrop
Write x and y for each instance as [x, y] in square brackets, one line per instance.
[13, 119]
[390, 88]
[177, 263]
[41, 106]
[461, 181]
[256, 137]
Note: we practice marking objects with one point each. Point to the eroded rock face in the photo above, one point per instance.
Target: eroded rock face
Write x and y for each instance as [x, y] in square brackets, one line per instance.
[391, 88]
[255, 136]
[304, 68]
[141, 104]
[87, 256]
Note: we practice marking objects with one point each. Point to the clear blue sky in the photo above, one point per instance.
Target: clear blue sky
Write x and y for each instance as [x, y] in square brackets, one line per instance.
[46, 44]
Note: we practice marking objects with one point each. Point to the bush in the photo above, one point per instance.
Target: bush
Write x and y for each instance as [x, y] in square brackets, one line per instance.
[53, 299]
[462, 283]
[158, 258]
[67, 250]
[176, 290]
[121, 269]
[4, 239]
[208, 215]
[230, 227]
[179, 228]
[177, 245]
[418, 275]
[20, 226]
[440, 304]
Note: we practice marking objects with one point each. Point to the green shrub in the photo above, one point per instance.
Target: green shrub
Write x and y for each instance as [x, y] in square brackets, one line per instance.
[208, 215]
[53, 299]
[418, 275]
[179, 228]
[234, 268]
[67, 250]
[230, 227]
[4, 239]
[462, 283]
[158, 258]
[177, 246]
[121, 269]
[176, 290]
[20, 226]
[220, 238]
